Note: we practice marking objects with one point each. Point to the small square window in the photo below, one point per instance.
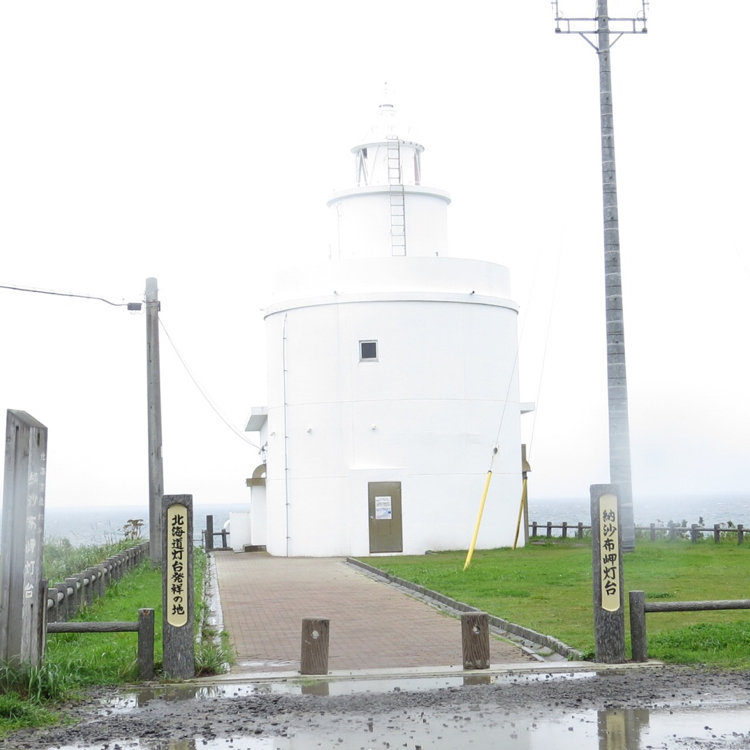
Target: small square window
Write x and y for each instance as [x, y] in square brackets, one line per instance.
[368, 351]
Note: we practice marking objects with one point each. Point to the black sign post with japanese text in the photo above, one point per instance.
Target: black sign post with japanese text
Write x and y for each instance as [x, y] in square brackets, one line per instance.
[177, 587]
[609, 600]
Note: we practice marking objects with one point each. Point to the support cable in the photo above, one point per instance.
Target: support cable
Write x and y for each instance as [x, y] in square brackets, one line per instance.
[203, 393]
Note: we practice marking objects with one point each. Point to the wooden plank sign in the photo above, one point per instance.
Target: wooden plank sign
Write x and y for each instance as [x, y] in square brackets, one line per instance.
[177, 582]
[22, 624]
[606, 547]
[609, 550]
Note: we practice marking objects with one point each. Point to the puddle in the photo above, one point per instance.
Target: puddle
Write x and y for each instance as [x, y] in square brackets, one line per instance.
[259, 665]
[141, 697]
[487, 729]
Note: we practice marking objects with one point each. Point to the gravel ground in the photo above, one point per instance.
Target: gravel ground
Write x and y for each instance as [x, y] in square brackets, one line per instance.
[160, 722]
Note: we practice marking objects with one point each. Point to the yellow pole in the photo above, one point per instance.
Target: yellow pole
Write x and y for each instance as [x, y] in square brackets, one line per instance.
[470, 553]
[524, 499]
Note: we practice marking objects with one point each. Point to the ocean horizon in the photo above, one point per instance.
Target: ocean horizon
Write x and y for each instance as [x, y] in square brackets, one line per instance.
[101, 525]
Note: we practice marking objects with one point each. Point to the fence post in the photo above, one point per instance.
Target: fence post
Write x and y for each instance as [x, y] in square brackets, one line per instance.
[653, 532]
[717, 533]
[88, 579]
[549, 529]
[314, 656]
[209, 533]
[145, 644]
[534, 529]
[475, 640]
[740, 533]
[564, 529]
[52, 603]
[101, 571]
[62, 601]
[580, 530]
[73, 601]
[693, 532]
[112, 563]
[638, 639]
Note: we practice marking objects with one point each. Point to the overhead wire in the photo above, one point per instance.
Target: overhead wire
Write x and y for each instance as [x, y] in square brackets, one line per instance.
[136, 306]
[33, 290]
[202, 391]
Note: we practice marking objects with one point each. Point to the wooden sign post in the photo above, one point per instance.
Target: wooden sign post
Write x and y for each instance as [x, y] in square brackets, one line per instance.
[178, 656]
[22, 596]
[609, 609]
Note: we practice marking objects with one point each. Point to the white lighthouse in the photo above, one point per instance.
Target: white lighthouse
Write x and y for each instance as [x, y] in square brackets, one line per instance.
[392, 376]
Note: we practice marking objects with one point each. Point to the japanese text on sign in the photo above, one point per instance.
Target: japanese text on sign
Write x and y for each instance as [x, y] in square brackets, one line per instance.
[609, 552]
[177, 565]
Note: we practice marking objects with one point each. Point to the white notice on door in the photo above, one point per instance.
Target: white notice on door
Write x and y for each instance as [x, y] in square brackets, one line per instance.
[383, 509]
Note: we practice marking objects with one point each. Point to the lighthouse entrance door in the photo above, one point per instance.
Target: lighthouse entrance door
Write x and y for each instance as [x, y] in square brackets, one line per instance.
[384, 508]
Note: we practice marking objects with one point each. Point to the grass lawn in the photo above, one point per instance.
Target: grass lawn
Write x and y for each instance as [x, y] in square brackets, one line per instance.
[547, 586]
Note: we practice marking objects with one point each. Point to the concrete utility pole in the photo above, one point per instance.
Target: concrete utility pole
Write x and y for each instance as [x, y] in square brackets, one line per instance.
[617, 389]
[155, 466]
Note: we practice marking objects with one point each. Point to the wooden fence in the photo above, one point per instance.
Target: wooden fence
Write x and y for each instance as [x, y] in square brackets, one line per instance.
[66, 599]
[209, 535]
[639, 607]
[670, 531]
[144, 627]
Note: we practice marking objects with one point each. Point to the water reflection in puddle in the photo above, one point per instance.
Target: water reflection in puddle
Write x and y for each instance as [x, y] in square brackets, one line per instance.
[143, 696]
[488, 729]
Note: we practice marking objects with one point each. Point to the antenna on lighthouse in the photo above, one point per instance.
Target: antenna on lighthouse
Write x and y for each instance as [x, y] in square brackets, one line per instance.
[617, 389]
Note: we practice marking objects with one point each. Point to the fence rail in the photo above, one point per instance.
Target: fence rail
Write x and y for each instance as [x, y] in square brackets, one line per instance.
[144, 627]
[67, 598]
[670, 531]
[639, 607]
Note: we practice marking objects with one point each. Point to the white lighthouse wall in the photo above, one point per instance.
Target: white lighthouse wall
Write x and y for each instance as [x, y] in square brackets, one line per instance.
[426, 414]
[363, 222]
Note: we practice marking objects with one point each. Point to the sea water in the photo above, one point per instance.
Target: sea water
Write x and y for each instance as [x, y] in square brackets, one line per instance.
[104, 525]
[101, 525]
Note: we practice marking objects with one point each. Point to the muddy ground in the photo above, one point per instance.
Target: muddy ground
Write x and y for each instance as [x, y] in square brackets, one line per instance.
[234, 713]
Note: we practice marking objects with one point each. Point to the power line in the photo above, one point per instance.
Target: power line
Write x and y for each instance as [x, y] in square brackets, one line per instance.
[129, 305]
[203, 392]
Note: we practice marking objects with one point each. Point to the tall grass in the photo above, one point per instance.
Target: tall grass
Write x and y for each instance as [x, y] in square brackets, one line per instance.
[62, 559]
[24, 692]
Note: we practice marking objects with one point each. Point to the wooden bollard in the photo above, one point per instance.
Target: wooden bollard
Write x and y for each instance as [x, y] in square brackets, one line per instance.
[638, 638]
[314, 658]
[475, 640]
[145, 644]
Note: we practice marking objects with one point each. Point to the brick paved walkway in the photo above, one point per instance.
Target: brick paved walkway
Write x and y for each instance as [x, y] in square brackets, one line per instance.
[372, 625]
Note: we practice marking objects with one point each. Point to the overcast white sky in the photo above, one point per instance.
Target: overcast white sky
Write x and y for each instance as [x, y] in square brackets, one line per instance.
[197, 142]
